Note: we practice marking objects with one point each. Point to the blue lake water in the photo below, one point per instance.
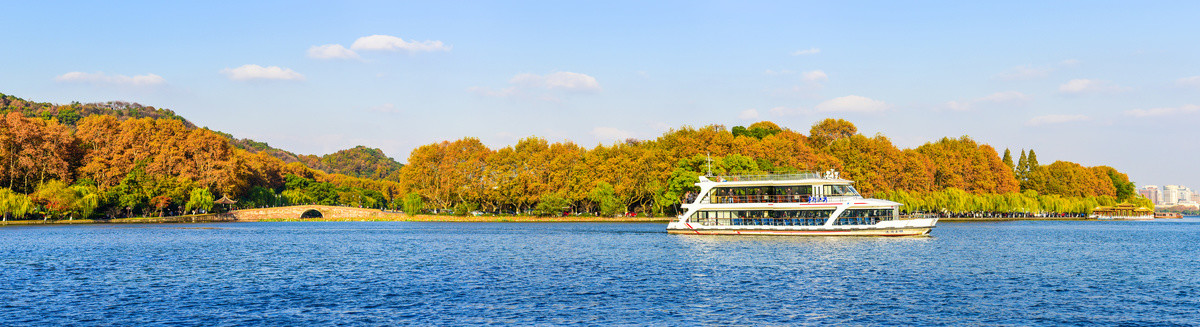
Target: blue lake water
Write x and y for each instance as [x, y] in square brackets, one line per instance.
[389, 273]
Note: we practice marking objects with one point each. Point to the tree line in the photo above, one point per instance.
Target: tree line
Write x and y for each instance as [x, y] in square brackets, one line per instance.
[651, 176]
[111, 163]
[104, 166]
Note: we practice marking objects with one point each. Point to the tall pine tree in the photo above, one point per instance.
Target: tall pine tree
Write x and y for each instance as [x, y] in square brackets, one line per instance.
[1022, 166]
[1008, 158]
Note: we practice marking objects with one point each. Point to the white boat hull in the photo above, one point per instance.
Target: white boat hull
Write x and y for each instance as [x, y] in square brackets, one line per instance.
[910, 227]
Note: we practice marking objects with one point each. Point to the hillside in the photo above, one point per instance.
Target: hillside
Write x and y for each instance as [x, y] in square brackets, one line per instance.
[359, 161]
[70, 114]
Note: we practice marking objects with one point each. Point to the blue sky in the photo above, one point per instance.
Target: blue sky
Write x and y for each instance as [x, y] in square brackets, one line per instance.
[1113, 83]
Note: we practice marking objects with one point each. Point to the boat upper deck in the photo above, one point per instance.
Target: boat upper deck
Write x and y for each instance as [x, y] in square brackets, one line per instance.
[798, 178]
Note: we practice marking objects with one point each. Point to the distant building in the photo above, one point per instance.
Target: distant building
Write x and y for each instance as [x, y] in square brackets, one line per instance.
[1170, 194]
[1185, 195]
[1151, 192]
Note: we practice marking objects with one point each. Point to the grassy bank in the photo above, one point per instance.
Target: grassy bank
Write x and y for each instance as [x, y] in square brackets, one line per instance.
[206, 218]
[491, 219]
[426, 218]
[430, 218]
[1011, 219]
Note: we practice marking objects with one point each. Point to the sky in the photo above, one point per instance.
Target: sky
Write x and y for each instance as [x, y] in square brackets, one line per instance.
[1092, 82]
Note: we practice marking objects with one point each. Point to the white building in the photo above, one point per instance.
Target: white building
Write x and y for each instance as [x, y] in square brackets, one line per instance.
[1170, 194]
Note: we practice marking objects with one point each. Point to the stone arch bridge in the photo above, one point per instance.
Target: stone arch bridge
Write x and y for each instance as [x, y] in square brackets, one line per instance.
[309, 211]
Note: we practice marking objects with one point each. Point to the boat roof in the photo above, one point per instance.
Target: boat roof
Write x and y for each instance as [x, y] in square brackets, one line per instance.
[803, 178]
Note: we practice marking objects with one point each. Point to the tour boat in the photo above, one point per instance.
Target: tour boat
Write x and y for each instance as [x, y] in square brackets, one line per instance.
[812, 204]
[1167, 215]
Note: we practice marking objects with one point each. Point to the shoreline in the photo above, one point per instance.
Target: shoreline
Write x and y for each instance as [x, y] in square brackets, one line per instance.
[224, 218]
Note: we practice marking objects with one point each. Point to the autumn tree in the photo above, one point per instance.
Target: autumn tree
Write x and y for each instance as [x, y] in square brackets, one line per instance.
[33, 151]
[961, 163]
[828, 130]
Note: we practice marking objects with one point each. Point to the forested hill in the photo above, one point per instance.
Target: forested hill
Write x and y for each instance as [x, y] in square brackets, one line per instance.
[70, 114]
[359, 161]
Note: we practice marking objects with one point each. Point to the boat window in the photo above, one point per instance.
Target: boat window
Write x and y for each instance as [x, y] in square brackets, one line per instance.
[840, 190]
[761, 217]
[760, 194]
[863, 216]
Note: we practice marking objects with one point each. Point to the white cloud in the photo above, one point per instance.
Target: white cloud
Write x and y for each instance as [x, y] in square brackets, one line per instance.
[392, 43]
[1193, 81]
[1070, 62]
[1141, 113]
[748, 114]
[252, 72]
[815, 76]
[558, 80]
[1055, 119]
[806, 52]
[101, 78]
[785, 111]
[1083, 85]
[611, 134]
[958, 106]
[331, 51]
[852, 103]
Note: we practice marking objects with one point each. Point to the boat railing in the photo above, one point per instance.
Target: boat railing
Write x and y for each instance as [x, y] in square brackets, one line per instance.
[768, 177]
[771, 199]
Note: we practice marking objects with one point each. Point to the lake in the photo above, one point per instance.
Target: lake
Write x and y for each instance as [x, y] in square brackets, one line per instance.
[389, 273]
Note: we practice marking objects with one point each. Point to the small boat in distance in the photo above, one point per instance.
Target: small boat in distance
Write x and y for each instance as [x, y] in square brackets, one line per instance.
[1167, 215]
[791, 204]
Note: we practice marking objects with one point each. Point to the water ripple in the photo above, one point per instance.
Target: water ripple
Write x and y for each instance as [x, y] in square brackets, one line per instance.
[390, 273]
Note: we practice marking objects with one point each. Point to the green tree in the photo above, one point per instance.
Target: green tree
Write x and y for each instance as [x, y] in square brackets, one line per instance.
[7, 202]
[87, 199]
[1022, 166]
[296, 196]
[605, 198]
[1008, 161]
[551, 205]
[464, 208]
[258, 197]
[199, 199]
[413, 204]
[56, 198]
